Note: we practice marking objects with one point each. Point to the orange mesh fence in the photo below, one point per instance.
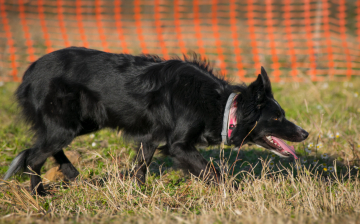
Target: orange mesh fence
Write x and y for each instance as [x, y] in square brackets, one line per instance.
[294, 40]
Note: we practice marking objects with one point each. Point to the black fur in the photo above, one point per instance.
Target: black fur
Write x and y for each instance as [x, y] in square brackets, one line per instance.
[75, 91]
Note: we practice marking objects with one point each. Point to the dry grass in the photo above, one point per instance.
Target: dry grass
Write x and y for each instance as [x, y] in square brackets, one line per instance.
[271, 197]
[279, 194]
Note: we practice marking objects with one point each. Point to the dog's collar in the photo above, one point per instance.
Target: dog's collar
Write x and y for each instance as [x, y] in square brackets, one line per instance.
[229, 121]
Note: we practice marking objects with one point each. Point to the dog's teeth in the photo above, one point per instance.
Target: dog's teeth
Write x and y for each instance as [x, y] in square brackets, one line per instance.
[269, 138]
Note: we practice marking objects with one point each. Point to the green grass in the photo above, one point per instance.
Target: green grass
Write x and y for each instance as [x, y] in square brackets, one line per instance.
[269, 191]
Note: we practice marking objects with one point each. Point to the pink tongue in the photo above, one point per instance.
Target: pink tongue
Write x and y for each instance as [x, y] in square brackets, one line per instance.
[285, 146]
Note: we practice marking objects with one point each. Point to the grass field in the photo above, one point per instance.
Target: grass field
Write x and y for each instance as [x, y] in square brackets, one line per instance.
[323, 187]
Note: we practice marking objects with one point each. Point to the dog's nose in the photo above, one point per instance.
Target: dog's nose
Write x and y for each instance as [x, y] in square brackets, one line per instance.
[304, 134]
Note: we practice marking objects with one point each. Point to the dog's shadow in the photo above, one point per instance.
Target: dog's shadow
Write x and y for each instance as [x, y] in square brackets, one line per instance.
[253, 160]
[249, 160]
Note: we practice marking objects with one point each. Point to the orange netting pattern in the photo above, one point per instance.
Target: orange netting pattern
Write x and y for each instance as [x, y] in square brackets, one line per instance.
[295, 40]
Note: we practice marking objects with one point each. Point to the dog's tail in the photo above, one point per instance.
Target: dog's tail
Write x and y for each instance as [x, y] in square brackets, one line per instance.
[17, 164]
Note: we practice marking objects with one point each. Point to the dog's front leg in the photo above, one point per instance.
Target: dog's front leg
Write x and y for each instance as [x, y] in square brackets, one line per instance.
[142, 160]
[190, 160]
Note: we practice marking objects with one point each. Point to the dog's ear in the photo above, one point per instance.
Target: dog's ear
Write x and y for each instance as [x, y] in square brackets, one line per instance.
[266, 82]
[261, 87]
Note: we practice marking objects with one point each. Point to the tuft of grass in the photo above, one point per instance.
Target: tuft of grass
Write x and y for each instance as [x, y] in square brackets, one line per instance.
[322, 187]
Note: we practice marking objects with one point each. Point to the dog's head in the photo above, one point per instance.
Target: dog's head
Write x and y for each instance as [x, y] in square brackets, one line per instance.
[258, 108]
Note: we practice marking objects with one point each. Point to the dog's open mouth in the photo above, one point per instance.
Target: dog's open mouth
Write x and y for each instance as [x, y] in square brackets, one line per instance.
[280, 147]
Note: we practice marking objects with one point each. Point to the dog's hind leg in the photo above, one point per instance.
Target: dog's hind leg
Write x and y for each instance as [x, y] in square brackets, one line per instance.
[35, 162]
[143, 159]
[66, 167]
[30, 160]
[50, 142]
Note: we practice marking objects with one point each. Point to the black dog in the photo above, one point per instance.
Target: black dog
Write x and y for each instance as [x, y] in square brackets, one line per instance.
[76, 91]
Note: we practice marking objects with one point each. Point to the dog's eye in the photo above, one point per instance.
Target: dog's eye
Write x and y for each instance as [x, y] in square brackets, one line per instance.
[276, 118]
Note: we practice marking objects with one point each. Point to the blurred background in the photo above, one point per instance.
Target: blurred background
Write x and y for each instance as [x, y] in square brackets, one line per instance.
[296, 40]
